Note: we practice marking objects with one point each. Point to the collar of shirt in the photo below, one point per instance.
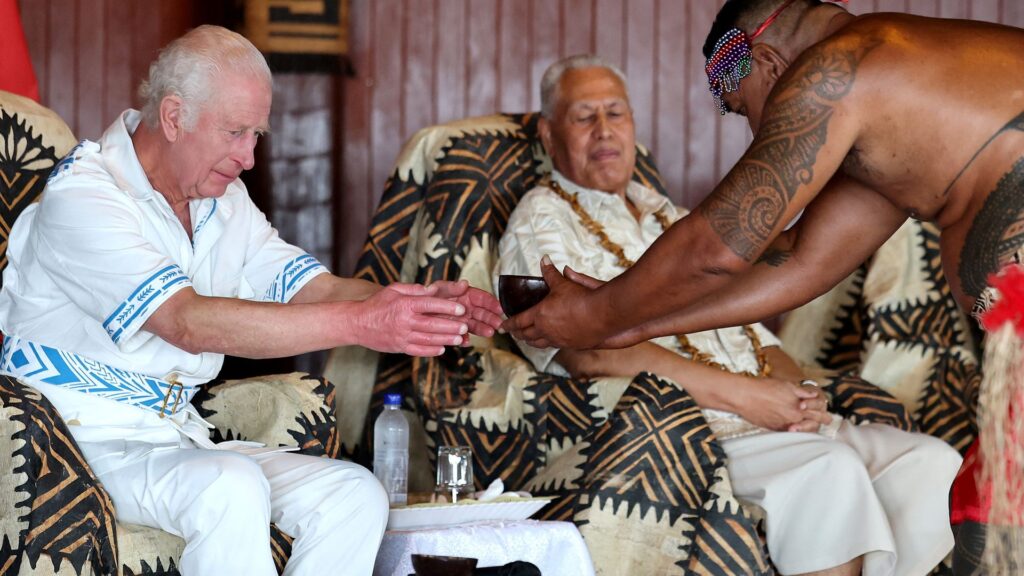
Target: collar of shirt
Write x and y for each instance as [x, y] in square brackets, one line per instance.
[119, 156]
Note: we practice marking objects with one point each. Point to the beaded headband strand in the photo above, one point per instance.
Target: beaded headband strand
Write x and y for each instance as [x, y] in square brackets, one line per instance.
[731, 59]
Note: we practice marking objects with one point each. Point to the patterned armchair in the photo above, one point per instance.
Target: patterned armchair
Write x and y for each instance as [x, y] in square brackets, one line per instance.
[895, 323]
[600, 446]
[55, 518]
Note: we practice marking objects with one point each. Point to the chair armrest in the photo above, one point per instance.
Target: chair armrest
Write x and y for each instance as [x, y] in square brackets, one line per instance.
[278, 410]
[860, 401]
[50, 502]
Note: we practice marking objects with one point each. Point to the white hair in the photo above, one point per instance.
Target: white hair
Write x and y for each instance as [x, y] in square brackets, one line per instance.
[189, 66]
[552, 79]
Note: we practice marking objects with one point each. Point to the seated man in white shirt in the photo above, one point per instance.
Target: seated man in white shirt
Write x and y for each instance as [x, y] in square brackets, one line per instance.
[838, 498]
[144, 263]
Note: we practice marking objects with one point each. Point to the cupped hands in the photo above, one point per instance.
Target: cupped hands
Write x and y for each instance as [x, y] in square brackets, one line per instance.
[561, 319]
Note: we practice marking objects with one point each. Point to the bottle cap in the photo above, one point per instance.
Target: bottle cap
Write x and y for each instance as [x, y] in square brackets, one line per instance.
[392, 399]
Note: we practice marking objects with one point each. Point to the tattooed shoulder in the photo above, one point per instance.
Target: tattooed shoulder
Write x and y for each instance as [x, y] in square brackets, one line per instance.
[746, 207]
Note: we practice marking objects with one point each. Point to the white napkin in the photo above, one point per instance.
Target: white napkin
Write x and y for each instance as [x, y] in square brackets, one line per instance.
[497, 490]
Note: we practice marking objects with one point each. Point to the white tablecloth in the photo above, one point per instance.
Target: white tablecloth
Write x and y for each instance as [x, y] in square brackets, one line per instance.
[555, 547]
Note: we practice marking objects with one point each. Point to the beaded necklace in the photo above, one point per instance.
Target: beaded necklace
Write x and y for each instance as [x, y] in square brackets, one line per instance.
[595, 228]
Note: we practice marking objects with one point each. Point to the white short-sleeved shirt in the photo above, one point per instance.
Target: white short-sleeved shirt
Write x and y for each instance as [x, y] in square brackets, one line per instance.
[102, 250]
[543, 223]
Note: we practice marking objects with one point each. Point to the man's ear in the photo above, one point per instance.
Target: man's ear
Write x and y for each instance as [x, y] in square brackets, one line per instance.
[170, 117]
[544, 131]
[774, 63]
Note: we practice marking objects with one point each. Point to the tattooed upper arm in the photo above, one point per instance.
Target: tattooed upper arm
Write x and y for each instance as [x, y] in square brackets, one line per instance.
[746, 209]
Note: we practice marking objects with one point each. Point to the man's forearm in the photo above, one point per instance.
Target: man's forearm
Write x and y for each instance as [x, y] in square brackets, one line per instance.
[710, 387]
[665, 281]
[256, 329]
[402, 318]
[761, 293]
[331, 288]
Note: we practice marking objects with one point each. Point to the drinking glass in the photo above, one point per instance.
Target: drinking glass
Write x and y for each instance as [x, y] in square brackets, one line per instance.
[454, 470]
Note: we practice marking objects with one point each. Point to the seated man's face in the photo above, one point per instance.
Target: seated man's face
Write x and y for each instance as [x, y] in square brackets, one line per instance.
[221, 146]
[591, 139]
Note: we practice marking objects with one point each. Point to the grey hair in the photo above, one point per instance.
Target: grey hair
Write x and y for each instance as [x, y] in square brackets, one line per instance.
[188, 67]
[552, 78]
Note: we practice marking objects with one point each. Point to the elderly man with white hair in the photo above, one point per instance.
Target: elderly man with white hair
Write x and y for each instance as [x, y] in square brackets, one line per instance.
[145, 263]
[838, 498]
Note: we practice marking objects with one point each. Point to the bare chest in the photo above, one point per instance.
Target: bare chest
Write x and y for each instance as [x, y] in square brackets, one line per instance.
[896, 172]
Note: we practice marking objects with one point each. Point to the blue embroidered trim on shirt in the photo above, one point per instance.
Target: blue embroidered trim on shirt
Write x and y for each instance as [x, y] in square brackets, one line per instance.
[37, 363]
[153, 288]
[195, 233]
[66, 162]
[287, 282]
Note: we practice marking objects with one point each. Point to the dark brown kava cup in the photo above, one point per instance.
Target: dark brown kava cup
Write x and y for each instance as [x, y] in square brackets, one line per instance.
[519, 293]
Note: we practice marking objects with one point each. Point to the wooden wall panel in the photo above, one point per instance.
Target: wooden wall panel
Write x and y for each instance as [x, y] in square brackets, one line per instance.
[609, 33]
[119, 83]
[953, 9]
[352, 196]
[988, 10]
[62, 77]
[89, 55]
[670, 81]
[545, 29]
[578, 39]
[386, 131]
[702, 124]
[514, 56]
[451, 59]
[482, 63]
[640, 46]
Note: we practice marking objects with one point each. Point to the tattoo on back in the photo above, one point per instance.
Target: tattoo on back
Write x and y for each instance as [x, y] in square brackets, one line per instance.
[748, 204]
[996, 232]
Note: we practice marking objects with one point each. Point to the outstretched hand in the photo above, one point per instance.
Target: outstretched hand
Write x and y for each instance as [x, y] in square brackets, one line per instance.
[411, 319]
[560, 319]
[483, 312]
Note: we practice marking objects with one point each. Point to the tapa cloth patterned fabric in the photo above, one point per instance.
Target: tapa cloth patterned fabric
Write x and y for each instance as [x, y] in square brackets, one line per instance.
[631, 461]
[895, 323]
[55, 518]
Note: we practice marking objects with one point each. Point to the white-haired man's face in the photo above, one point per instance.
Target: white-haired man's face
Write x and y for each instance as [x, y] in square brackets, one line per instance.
[205, 160]
[591, 138]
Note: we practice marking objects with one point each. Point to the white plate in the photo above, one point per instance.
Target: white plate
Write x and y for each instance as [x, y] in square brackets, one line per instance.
[423, 516]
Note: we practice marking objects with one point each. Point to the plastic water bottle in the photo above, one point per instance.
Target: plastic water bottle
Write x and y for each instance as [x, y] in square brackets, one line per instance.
[391, 450]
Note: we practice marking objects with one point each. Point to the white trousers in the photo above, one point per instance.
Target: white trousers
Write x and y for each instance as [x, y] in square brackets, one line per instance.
[222, 503]
[874, 491]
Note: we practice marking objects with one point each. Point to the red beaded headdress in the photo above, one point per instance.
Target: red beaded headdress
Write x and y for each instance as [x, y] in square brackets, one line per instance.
[730, 60]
